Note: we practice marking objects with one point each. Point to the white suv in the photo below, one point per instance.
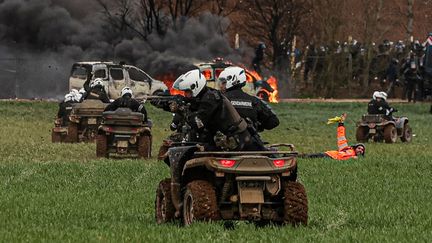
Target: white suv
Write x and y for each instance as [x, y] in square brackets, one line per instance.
[116, 77]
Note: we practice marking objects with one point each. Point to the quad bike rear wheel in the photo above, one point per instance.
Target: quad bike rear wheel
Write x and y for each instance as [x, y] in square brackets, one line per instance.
[101, 146]
[72, 132]
[199, 202]
[407, 134]
[362, 134]
[144, 146]
[390, 133]
[295, 204]
[56, 137]
[164, 208]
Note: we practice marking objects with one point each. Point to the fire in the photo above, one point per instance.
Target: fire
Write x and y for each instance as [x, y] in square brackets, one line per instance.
[273, 97]
[168, 80]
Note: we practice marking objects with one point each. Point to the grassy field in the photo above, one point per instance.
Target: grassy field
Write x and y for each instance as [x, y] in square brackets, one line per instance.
[61, 192]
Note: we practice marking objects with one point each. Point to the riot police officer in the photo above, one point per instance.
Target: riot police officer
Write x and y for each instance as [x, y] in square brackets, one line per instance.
[127, 101]
[231, 81]
[213, 114]
[65, 107]
[379, 105]
[97, 91]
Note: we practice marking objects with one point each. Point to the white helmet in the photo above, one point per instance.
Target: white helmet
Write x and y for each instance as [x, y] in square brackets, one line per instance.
[376, 95]
[383, 95]
[74, 91]
[126, 90]
[69, 97]
[193, 80]
[96, 82]
[233, 76]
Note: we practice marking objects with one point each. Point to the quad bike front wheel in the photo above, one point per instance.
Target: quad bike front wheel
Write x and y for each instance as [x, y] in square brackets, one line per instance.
[407, 134]
[144, 146]
[72, 136]
[101, 146]
[199, 202]
[295, 204]
[390, 134]
[164, 208]
[362, 134]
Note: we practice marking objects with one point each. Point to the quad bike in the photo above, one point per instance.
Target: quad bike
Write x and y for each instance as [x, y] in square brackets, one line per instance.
[59, 133]
[257, 186]
[379, 128]
[84, 120]
[124, 132]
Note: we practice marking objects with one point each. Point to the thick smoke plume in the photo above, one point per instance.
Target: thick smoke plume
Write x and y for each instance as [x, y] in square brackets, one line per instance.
[40, 39]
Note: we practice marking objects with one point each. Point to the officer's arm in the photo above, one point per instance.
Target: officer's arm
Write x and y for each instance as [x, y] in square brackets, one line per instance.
[266, 117]
[206, 109]
[112, 106]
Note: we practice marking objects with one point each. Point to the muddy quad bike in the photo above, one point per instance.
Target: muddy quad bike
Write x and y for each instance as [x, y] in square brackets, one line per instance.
[59, 133]
[124, 132]
[84, 120]
[379, 128]
[257, 186]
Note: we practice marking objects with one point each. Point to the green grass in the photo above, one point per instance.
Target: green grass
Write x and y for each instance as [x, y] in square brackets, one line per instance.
[61, 192]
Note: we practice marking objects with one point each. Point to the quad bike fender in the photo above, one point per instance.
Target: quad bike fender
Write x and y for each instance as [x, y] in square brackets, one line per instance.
[131, 131]
[401, 122]
[197, 162]
[177, 158]
[74, 118]
[60, 129]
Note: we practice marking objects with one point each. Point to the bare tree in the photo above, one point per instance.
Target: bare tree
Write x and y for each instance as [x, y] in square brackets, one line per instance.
[183, 9]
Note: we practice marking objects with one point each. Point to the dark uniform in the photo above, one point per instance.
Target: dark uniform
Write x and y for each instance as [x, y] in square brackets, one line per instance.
[65, 108]
[412, 77]
[126, 101]
[261, 115]
[213, 113]
[97, 93]
[380, 107]
[259, 57]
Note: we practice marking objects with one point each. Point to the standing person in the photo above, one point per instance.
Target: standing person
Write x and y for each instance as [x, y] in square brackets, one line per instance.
[392, 76]
[213, 115]
[127, 101]
[97, 91]
[344, 151]
[411, 74]
[259, 57]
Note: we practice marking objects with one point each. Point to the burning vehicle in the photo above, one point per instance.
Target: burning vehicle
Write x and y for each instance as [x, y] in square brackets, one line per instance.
[115, 77]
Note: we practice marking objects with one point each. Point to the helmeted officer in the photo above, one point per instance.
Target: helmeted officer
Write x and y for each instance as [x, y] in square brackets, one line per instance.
[97, 91]
[127, 101]
[231, 81]
[213, 114]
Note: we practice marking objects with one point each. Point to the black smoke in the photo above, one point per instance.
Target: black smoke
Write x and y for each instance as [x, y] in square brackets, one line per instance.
[40, 39]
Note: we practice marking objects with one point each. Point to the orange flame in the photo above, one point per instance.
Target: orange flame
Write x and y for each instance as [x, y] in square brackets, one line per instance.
[252, 76]
[168, 80]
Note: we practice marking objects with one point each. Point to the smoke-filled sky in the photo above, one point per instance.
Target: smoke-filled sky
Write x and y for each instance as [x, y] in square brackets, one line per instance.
[40, 39]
